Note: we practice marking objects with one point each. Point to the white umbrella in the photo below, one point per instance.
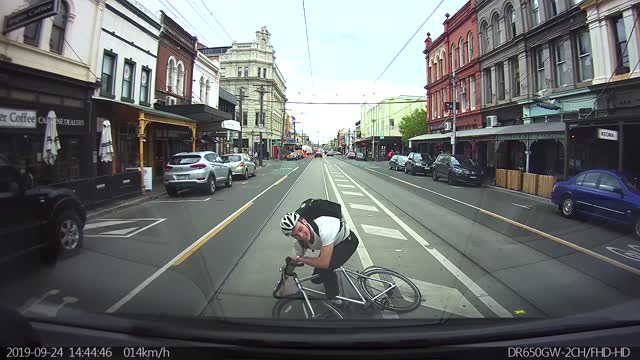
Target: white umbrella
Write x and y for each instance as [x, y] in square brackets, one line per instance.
[51, 140]
[106, 143]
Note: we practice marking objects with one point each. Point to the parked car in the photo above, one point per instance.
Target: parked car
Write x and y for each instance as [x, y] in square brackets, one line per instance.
[240, 164]
[330, 153]
[318, 154]
[397, 162]
[418, 163]
[360, 157]
[352, 155]
[38, 218]
[196, 170]
[292, 156]
[605, 194]
[457, 168]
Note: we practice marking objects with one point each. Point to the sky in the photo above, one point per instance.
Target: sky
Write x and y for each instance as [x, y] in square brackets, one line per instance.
[350, 42]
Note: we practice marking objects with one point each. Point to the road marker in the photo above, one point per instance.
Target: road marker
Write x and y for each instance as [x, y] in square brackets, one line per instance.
[106, 223]
[528, 207]
[382, 231]
[482, 295]
[608, 260]
[121, 233]
[364, 207]
[445, 298]
[120, 303]
[519, 312]
[179, 201]
[352, 193]
[346, 186]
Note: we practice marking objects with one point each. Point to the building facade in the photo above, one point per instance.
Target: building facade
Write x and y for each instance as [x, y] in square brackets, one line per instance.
[143, 137]
[50, 65]
[252, 67]
[379, 125]
[206, 81]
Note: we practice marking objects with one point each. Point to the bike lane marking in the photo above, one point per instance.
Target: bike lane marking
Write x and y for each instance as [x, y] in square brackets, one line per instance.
[482, 295]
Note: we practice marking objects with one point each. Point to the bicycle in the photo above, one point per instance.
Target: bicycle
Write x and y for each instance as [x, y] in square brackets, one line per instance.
[397, 293]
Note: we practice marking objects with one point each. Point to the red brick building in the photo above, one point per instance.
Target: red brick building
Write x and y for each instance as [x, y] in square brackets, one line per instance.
[176, 56]
[457, 48]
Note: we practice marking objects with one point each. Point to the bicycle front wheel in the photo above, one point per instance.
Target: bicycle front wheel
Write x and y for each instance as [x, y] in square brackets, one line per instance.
[299, 310]
[390, 290]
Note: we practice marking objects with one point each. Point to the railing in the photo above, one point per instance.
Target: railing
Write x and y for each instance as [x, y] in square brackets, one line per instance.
[102, 189]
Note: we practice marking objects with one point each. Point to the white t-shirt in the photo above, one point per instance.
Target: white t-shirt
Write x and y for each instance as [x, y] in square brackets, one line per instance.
[329, 233]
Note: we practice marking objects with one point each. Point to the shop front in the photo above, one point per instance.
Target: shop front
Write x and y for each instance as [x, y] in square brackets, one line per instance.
[27, 96]
[144, 137]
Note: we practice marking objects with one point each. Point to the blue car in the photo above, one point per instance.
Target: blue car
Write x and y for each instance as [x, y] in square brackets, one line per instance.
[605, 194]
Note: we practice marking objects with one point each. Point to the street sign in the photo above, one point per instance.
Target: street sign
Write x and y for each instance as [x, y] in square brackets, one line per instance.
[256, 139]
[607, 134]
[31, 14]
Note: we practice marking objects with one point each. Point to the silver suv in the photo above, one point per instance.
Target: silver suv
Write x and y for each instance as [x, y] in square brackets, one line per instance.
[202, 169]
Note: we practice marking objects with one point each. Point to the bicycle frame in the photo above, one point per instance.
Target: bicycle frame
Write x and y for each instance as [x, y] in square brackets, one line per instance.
[349, 274]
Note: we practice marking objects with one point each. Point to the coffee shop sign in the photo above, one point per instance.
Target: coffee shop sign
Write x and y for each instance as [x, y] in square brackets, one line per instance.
[28, 119]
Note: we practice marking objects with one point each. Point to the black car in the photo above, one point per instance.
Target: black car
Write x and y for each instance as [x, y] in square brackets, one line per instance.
[397, 162]
[50, 220]
[318, 154]
[457, 168]
[418, 163]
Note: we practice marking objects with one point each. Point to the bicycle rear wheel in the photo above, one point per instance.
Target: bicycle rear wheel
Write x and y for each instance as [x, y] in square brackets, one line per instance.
[390, 290]
[298, 310]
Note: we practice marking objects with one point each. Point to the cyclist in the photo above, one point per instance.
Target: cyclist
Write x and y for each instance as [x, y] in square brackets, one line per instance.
[328, 234]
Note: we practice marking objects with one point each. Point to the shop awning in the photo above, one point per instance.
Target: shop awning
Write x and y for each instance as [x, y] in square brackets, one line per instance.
[513, 132]
[154, 115]
[200, 112]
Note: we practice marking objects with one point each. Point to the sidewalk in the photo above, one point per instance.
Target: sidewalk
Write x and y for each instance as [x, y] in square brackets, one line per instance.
[110, 207]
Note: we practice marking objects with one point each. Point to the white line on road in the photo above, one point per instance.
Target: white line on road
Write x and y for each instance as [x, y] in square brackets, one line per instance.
[352, 193]
[178, 201]
[363, 254]
[455, 187]
[364, 207]
[482, 295]
[383, 231]
[156, 222]
[342, 180]
[346, 186]
[106, 223]
[528, 207]
[118, 231]
[196, 243]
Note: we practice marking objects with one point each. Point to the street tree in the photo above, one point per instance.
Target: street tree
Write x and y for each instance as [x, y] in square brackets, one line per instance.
[413, 124]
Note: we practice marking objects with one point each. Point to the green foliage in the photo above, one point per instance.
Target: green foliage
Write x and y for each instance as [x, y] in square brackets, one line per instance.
[413, 124]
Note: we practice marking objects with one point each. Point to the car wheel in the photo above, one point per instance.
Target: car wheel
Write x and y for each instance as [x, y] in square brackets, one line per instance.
[405, 169]
[390, 167]
[568, 207]
[434, 176]
[450, 179]
[254, 172]
[65, 237]
[211, 184]
[246, 174]
[229, 182]
[171, 191]
[397, 167]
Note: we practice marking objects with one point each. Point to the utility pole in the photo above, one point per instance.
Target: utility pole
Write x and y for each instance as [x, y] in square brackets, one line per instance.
[261, 121]
[455, 107]
[240, 100]
[284, 118]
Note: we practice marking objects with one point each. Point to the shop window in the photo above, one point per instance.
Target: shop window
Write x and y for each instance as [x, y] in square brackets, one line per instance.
[128, 76]
[515, 76]
[246, 71]
[462, 51]
[564, 70]
[535, 12]
[59, 27]
[484, 38]
[497, 31]
[453, 57]
[180, 79]
[145, 80]
[620, 38]
[541, 78]
[511, 18]
[109, 61]
[206, 92]
[32, 34]
[239, 71]
[472, 96]
[171, 68]
[470, 45]
[500, 80]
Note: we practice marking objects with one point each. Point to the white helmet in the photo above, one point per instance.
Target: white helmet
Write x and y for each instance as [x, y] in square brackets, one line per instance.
[288, 222]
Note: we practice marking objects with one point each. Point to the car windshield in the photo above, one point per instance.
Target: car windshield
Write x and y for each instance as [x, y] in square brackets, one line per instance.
[462, 160]
[184, 159]
[231, 158]
[116, 197]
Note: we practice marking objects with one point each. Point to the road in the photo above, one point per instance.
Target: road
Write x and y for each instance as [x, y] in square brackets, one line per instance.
[473, 252]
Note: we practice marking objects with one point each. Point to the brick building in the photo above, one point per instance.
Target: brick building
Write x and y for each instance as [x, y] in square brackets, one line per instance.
[456, 49]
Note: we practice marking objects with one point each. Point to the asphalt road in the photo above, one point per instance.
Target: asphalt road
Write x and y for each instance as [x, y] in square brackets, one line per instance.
[473, 252]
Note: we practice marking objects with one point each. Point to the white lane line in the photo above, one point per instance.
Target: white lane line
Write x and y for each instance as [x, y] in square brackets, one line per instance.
[118, 232]
[383, 231]
[363, 254]
[482, 295]
[156, 222]
[346, 186]
[528, 207]
[204, 237]
[342, 180]
[364, 207]
[352, 193]
[106, 223]
[179, 201]
[455, 187]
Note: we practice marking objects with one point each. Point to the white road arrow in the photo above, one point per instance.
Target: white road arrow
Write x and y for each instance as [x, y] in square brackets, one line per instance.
[119, 231]
[445, 298]
[106, 223]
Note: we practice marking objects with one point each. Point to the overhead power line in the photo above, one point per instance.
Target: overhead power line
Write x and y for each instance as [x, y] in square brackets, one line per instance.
[408, 41]
[306, 30]
[216, 19]
[184, 22]
[349, 103]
